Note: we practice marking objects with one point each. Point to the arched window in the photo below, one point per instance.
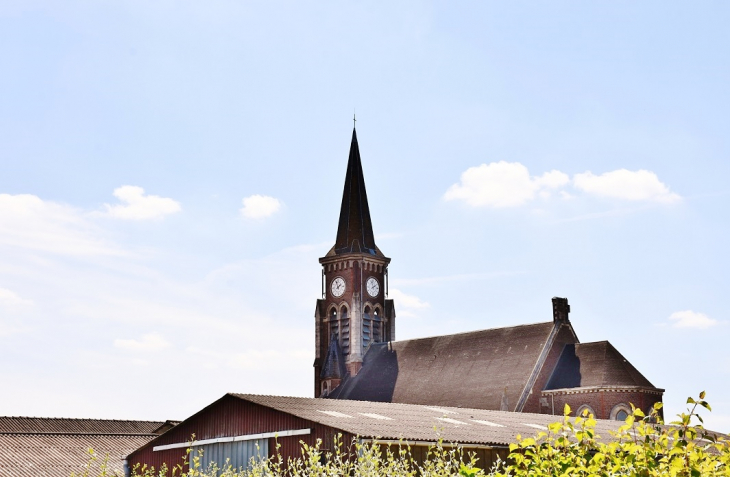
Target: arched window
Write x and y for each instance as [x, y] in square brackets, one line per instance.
[584, 407]
[345, 329]
[334, 325]
[620, 412]
[377, 327]
[366, 327]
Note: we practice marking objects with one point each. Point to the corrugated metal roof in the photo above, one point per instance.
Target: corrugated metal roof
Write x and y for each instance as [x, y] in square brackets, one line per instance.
[414, 422]
[56, 447]
[58, 455]
[45, 425]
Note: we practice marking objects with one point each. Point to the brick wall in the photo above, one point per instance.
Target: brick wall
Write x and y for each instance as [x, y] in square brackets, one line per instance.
[602, 401]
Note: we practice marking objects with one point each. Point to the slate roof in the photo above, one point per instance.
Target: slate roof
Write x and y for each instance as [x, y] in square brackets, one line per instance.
[595, 364]
[334, 363]
[355, 229]
[477, 369]
[393, 421]
[51, 447]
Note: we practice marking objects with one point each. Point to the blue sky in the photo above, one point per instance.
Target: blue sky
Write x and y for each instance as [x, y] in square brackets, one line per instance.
[171, 171]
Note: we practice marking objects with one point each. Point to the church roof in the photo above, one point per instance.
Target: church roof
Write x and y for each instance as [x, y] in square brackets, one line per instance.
[479, 369]
[355, 230]
[594, 365]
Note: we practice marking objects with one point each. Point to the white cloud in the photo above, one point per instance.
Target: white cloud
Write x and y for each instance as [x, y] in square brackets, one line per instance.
[509, 184]
[9, 298]
[691, 319]
[28, 222]
[623, 184]
[502, 184]
[149, 342]
[260, 206]
[552, 180]
[405, 304]
[138, 206]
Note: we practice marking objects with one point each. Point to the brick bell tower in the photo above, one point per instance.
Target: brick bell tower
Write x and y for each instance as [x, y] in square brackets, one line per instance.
[354, 310]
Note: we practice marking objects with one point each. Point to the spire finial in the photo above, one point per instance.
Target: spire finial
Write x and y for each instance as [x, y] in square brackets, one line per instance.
[354, 121]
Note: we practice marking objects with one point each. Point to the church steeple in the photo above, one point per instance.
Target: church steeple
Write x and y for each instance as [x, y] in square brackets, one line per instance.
[355, 230]
[354, 311]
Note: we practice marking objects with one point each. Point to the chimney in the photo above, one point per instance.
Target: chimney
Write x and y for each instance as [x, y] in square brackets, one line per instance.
[561, 309]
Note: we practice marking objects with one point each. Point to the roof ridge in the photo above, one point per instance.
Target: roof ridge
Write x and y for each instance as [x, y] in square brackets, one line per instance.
[402, 404]
[594, 342]
[474, 331]
[83, 419]
[59, 433]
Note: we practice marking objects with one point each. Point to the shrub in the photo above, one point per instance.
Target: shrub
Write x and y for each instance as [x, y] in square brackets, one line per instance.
[642, 446]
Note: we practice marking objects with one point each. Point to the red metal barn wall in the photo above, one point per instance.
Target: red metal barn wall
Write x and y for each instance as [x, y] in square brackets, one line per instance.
[231, 416]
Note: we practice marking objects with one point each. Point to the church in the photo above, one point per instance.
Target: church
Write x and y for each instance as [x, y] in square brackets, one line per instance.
[532, 368]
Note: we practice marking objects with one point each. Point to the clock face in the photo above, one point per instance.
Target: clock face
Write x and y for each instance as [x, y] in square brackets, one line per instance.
[338, 287]
[373, 287]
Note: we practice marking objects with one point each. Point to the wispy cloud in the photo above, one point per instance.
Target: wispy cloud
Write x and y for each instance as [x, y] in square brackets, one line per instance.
[407, 305]
[138, 206]
[453, 278]
[617, 212]
[10, 299]
[407, 301]
[29, 222]
[691, 319]
[148, 342]
[260, 206]
[249, 359]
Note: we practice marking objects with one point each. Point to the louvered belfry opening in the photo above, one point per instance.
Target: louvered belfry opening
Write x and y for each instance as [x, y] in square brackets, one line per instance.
[366, 327]
[345, 330]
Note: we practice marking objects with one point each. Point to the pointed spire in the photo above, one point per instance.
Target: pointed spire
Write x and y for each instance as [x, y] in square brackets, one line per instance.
[355, 231]
[334, 363]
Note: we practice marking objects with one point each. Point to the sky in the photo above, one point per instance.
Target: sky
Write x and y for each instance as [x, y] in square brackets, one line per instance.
[172, 171]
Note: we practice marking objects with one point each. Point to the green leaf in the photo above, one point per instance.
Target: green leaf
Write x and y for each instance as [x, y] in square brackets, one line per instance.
[468, 471]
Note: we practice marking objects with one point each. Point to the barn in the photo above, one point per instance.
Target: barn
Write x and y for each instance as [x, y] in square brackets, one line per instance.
[238, 427]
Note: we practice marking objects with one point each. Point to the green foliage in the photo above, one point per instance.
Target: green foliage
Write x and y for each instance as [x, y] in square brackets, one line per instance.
[361, 459]
[643, 446]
